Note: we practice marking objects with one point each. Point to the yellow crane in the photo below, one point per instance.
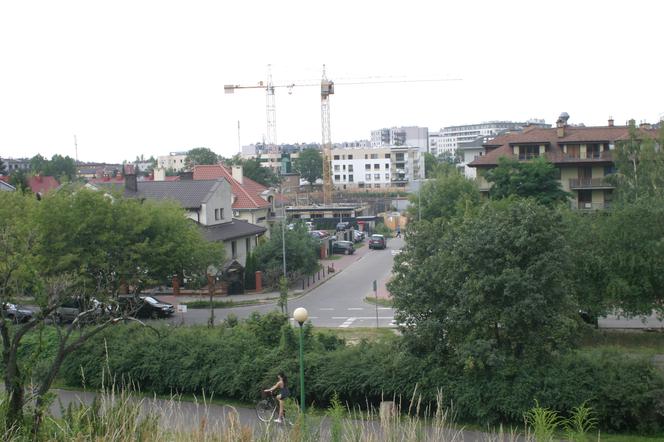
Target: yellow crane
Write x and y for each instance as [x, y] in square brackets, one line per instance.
[326, 89]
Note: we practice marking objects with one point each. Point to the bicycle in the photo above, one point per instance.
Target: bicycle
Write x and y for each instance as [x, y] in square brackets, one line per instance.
[268, 407]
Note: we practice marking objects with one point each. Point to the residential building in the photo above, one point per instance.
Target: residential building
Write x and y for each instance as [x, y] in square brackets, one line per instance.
[173, 161]
[40, 185]
[401, 136]
[251, 201]
[582, 155]
[5, 186]
[13, 165]
[451, 138]
[378, 167]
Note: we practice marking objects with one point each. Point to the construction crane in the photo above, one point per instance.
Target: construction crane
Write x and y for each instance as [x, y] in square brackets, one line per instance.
[326, 89]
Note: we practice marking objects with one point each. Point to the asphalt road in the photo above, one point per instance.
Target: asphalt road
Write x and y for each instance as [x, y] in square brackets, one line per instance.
[339, 302]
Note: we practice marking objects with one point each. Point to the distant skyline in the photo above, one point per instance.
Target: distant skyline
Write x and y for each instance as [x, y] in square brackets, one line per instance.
[130, 78]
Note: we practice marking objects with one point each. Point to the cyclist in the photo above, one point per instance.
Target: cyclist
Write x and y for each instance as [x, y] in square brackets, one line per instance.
[282, 387]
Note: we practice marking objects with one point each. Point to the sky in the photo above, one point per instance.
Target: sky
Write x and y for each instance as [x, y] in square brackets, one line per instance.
[131, 78]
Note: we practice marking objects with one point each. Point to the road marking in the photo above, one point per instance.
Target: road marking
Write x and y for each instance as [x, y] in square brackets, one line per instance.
[364, 317]
[384, 308]
[348, 322]
[326, 309]
[355, 308]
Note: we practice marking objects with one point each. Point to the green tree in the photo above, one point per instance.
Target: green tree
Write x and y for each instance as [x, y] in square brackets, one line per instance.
[310, 165]
[639, 162]
[536, 179]
[3, 167]
[63, 168]
[487, 287]
[19, 179]
[430, 163]
[253, 169]
[38, 164]
[444, 196]
[301, 254]
[200, 155]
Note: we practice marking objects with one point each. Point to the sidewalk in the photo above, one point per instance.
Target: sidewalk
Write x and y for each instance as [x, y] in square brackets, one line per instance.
[296, 289]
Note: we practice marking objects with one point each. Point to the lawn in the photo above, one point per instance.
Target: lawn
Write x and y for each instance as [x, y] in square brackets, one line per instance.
[634, 342]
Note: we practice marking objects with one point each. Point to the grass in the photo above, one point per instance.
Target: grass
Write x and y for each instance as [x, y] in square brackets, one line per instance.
[636, 342]
[381, 302]
[356, 334]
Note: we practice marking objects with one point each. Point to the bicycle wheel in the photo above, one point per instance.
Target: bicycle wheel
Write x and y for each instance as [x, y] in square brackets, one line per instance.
[265, 410]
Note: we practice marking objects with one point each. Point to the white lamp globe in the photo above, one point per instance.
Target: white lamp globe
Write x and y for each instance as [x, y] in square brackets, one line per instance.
[300, 314]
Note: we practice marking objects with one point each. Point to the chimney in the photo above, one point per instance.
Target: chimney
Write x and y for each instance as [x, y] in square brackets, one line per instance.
[131, 184]
[561, 124]
[610, 121]
[160, 174]
[238, 174]
[645, 125]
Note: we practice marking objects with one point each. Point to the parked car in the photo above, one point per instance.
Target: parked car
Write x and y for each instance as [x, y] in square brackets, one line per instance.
[72, 307]
[341, 226]
[310, 225]
[358, 235]
[318, 234]
[377, 242]
[16, 313]
[345, 247]
[146, 307]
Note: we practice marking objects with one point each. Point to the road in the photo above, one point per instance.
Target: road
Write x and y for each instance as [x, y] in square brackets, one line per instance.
[339, 302]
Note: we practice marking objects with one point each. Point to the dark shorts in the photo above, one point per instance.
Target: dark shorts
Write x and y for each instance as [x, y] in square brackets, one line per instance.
[284, 393]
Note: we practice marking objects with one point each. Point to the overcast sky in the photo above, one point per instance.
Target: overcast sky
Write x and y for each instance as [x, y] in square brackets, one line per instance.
[146, 77]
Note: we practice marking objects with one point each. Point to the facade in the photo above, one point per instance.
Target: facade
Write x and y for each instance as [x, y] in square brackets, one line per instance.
[451, 138]
[401, 136]
[12, 165]
[376, 168]
[582, 155]
[173, 161]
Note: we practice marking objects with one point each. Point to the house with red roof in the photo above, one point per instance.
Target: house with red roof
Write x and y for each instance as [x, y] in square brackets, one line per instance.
[252, 201]
[40, 185]
[582, 155]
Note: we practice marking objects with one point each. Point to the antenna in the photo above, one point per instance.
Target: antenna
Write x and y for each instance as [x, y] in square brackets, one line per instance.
[239, 146]
[75, 148]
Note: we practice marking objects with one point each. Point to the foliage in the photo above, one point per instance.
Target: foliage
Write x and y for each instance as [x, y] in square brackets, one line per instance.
[639, 162]
[19, 179]
[310, 165]
[63, 168]
[489, 286]
[301, 254]
[581, 422]
[3, 167]
[536, 179]
[250, 272]
[253, 169]
[382, 229]
[542, 422]
[283, 294]
[198, 156]
[448, 194]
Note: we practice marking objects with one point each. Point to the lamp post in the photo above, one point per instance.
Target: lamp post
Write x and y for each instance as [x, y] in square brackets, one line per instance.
[300, 315]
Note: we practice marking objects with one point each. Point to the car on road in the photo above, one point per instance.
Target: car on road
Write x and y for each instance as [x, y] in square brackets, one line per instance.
[318, 234]
[341, 226]
[146, 307]
[16, 313]
[377, 242]
[71, 308]
[345, 247]
[358, 236]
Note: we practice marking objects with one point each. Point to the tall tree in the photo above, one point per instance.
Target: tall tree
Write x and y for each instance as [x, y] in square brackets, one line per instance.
[200, 155]
[3, 167]
[487, 287]
[310, 165]
[535, 179]
[63, 168]
[19, 179]
[448, 194]
[38, 164]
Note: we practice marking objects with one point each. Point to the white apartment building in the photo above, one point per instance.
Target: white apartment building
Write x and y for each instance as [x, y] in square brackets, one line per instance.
[376, 168]
[401, 136]
[174, 161]
[449, 139]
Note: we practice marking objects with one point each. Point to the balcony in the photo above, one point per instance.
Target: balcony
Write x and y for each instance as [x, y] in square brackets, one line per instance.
[589, 207]
[589, 183]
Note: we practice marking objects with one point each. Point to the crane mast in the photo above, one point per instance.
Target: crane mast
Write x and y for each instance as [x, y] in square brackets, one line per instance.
[271, 110]
[326, 89]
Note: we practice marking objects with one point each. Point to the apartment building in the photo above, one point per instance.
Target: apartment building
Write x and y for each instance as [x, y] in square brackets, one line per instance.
[401, 136]
[582, 155]
[376, 168]
[173, 161]
[451, 138]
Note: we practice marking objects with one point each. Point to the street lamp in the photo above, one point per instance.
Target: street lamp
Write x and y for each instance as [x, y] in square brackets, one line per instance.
[300, 315]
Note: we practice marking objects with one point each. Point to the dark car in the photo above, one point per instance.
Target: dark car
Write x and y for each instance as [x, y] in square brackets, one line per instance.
[16, 313]
[345, 247]
[146, 307]
[377, 242]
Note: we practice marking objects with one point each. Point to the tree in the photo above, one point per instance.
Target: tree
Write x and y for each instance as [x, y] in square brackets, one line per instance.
[487, 287]
[3, 168]
[200, 155]
[117, 243]
[444, 196]
[253, 169]
[19, 179]
[639, 162]
[61, 167]
[301, 254]
[310, 165]
[38, 164]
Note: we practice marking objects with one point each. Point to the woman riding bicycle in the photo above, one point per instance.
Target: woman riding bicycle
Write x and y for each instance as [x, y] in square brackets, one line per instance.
[282, 387]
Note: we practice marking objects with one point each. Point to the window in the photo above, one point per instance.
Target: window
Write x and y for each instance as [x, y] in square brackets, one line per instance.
[350, 178]
[529, 151]
[336, 168]
[233, 249]
[336, 178]
[387, 176]
[367, 167]
[387, 166]
[374, 156]
[344, 177]
[376, 166]
[367, 177]
[350, 168]
[376, 186]
[399, 157]
[376, 176]
[216, 214]
[608, 170]
[387, 156]
[593, 151]
[336, 157]
[350, 157]
[366, 157]
[247, 245]
[344, 167]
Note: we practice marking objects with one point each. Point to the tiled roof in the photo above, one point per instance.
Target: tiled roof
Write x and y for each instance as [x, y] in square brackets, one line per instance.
[247, 194]
[190, 194]
[232, 230]
[42, 184]
[501, 146]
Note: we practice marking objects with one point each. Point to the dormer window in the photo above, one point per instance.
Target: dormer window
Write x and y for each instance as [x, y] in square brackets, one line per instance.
[529, 151]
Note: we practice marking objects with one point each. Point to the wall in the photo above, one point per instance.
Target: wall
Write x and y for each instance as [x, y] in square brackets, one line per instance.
[220, 199]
